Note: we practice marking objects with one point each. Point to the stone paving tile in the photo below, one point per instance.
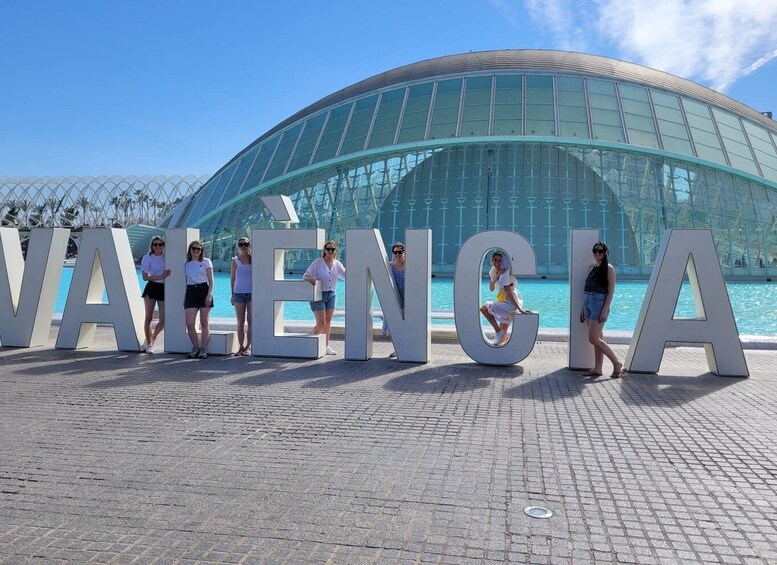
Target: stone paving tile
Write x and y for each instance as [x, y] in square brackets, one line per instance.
[111, 457]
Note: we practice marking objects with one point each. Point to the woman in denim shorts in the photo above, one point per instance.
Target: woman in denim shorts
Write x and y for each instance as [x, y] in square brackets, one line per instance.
[598, 292]
[328, 270]
[241, 294]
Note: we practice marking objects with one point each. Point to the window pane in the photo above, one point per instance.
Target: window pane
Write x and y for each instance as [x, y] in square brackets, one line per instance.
[605, 114]
[705, 138]
[734, 141]
[416, 113]
[282, 154]
[446, 109]
[359, 125]
[307, 142]
[388, 116]
[572, 111]
[257, 171]
[333, 132]
[764, 150]
[507, 105]
[233, 189]
[477, 106]
[540, 119]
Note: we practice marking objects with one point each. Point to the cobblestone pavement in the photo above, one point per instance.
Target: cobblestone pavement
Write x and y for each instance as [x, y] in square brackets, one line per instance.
[132, 458]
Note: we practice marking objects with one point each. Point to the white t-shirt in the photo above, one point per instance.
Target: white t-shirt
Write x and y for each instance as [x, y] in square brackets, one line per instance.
[197, 271]
[153, 265]
[328, 277]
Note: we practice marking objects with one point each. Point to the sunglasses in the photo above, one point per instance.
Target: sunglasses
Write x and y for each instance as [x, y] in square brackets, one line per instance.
[195, 249]
[243, 244]
[329, 249]
[398, 251]
[598, 250]
[157, 244]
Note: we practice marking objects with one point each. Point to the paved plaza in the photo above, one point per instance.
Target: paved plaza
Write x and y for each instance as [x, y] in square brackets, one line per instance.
[132, 458]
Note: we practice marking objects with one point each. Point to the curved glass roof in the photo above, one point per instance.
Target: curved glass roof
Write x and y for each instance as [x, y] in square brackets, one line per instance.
[505, 95]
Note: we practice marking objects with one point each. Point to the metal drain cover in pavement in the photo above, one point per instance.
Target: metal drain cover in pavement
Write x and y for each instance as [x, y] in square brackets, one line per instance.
[538, 512]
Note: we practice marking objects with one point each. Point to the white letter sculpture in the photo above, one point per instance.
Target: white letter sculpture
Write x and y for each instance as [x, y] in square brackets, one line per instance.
[581, 242]
[176, 339]
[466, 298]
[104, 265]
[714, 326]
[270, 290]
[367, 264]
[28, 291]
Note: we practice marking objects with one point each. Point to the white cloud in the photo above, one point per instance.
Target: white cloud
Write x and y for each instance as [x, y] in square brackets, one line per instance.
[711, 41]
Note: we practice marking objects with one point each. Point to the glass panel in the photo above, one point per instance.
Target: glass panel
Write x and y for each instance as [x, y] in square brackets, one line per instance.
[200, 199]
[282, 154]
[307, 142]
[734, 141]
[477, 106]
[257, 171]
[445, 115]
[764, 150]
[333, 132]
[388, 116]
[572, 111]
[540, 119]
[671, 123]
[507, 105]
[360, 125]
[705, 138]
[638, 115]
[239, 177]
[416, 113]
[605, 115]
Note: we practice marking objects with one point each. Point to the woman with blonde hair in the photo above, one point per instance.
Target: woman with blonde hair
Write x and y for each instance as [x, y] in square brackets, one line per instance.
[328, 270]
[153, 271]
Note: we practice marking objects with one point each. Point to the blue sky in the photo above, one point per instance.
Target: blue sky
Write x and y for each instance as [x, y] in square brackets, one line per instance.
[180, 87]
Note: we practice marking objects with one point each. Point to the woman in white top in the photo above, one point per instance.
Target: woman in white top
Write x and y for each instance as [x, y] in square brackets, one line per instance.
[152, 268]
[198, 298]
[328, 270]
[499, 313]
[241, 294]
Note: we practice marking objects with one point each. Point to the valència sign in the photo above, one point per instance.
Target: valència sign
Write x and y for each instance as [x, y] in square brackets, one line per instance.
[28, 293]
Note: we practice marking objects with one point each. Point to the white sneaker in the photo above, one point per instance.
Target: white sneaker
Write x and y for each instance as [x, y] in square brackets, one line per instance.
[498, 337]
[194, 353]
[330, 351]
[150, 348]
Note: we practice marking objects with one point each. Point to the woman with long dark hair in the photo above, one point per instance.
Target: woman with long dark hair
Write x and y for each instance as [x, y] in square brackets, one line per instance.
[598, 292]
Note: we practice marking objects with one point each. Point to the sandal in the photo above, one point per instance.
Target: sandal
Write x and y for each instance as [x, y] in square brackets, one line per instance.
[618, 374]
[592, 373]
[246, 351]
[240, 352]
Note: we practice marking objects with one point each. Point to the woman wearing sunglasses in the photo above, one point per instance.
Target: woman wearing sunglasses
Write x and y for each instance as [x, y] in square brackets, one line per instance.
[598, 292]
[198, 298]
[398, 272]
[152, 268]
[241, 294]
[328, 270]
[500, 312]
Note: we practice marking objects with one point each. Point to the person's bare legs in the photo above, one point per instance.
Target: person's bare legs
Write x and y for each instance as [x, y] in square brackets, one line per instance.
[320, 322]
[149, 304]
[601, 349]
[328, 314]
[205, 330]
[489, 317]
[240, 314]
[160, 324]
[191, 326]
[247, 347]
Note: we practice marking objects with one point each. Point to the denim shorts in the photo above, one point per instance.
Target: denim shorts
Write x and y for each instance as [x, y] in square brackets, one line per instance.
[241, 297]
[327, 301]
[593, 303]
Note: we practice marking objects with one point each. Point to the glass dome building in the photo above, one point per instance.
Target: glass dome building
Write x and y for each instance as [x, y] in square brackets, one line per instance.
[533, 141]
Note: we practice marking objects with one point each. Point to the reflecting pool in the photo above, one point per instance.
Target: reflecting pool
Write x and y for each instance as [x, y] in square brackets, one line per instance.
[752, 302]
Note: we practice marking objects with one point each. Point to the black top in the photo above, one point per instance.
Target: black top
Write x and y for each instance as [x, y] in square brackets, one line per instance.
[598, 280]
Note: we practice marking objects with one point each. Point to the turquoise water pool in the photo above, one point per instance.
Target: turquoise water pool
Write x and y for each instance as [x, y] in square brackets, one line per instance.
[752, 302]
